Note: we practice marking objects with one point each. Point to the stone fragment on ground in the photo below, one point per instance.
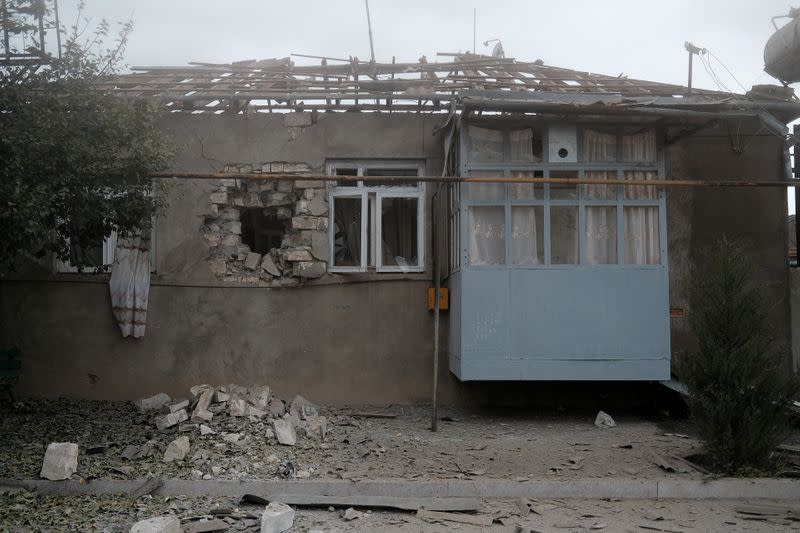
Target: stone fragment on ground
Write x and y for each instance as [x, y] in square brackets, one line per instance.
[277, 517]
[277, 408]
[352, 514]
[60, 461]
[172, 419]
[177, 450]
[201, 412]
[259, 396]
[302, 408]
[160, 524]
[604, 420]
[153, 402]
[284, 431]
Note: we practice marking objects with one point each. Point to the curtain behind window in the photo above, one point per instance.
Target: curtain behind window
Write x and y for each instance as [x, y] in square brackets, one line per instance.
[130, 283]
[601, 221]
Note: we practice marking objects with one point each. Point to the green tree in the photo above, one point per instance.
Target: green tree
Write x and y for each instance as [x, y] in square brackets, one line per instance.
[74, 160]
[738, 381]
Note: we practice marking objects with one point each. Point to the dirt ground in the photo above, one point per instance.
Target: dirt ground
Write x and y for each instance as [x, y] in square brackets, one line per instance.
[24, 511]
[118, 442]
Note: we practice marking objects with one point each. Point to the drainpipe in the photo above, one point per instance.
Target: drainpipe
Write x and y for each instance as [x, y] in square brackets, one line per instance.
[796, 175]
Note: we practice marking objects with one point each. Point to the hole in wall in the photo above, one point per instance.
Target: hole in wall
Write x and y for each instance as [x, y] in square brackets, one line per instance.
[261, 231]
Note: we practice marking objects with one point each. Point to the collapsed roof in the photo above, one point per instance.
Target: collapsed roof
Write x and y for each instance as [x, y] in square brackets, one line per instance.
[466, 80]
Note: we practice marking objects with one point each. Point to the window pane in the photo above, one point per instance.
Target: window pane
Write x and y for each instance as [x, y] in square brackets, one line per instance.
[640, 192]
[527, 191]
[526, 145]
[599, 146]
[485, 144]
[390, 172]
[487, 235]
[399, 246]
[601, 235]
[346, 172]
[87, 256]
[639, 146]
[527, 235]
[563, 191]
[487, 191]
[642, 237]
[563, 234]
[347, 231]
[600, 192]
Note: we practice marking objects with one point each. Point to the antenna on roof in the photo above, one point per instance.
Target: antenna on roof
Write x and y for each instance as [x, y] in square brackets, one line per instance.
[369, 25]
[497, 51]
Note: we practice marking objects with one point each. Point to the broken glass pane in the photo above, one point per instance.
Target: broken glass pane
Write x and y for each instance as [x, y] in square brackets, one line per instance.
[399, 243]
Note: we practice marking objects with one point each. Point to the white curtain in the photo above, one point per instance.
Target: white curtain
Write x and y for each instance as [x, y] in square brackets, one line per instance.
[522, 145]
[485, 144]
[642, 234]
[487, 235]
[601, 221]
[130, 283]
[527, 236]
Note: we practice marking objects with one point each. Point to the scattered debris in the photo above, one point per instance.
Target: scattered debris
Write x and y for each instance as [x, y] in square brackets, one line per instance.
[153, 402]
[172, 419]
[60, 461]
[160, 524]
[604, 420]
[148, 487]
[285, 432]
[436, 516]
[665, 463]
[352, 514]
[177, 450]
[277, 517]
[252, 499]
[373, 415]
[174, 408]
[302, 408]
[205, 526]
[382, 502]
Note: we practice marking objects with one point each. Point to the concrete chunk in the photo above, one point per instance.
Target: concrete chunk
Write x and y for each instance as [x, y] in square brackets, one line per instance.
[172, 419]
[178, 406]
[277, 517]
[298, 255]
[302, 408]
[268, 265]
[60, 461]
[153, 402]
[177, 450]
[312, 223]
[252, 261]
[285, 432]
[277, 408]
[238, 407]
[160, 524]
[309, 269]
[604, 420]
[259, 396]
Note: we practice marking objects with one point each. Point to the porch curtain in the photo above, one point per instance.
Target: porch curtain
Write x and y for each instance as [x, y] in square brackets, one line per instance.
[642, 243]
[487, 233]
[641, 230]
[130, 283]
[601, 222]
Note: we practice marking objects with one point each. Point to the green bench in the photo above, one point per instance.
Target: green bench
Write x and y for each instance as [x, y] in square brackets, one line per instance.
[10, 368]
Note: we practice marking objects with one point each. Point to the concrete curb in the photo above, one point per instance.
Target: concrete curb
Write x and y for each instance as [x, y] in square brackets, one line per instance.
[728, 488]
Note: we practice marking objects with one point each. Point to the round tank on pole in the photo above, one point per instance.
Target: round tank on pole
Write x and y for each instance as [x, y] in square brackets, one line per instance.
[782, 52]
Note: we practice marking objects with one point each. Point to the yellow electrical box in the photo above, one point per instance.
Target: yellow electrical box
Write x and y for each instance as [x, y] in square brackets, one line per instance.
[444, 299]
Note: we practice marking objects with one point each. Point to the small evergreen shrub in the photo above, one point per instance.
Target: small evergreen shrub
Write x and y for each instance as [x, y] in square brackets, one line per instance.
[739, 379]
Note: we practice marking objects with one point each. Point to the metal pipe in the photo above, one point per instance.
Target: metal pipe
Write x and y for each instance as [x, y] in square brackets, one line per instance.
[796, 190]
[742, 182]
[436, 287]
[58, 28]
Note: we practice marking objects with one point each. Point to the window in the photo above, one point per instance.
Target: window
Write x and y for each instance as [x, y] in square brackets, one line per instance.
[260, 231]
[521, 225]
[100, 254]
[376, 224]
[93, 256]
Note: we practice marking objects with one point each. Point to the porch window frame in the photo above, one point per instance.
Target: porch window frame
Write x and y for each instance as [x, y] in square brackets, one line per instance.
[371, 220]
[506, 167]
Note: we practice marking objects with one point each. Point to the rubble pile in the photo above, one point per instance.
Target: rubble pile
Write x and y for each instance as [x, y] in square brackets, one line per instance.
[231, 420]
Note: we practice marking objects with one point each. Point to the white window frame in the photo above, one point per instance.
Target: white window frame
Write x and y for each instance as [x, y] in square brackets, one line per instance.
[374, 195]
[109, 247]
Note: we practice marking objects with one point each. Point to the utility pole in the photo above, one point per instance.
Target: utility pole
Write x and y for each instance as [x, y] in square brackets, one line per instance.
[369, 25]
[692, 49]
[474, 28]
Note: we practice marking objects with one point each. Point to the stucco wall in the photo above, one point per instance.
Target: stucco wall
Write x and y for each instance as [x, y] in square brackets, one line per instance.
[356, 339]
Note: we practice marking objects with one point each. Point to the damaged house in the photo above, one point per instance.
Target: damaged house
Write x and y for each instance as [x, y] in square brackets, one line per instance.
[310, 208]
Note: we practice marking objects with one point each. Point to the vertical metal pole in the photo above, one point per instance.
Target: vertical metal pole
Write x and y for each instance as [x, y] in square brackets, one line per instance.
[436, 286]
[58, 28]
[42, 52]
[796, 131]
[369, 25]
[691, 59]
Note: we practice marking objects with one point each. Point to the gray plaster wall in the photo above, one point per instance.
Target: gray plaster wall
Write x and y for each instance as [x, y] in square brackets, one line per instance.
[698, 217]
[356, 339]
